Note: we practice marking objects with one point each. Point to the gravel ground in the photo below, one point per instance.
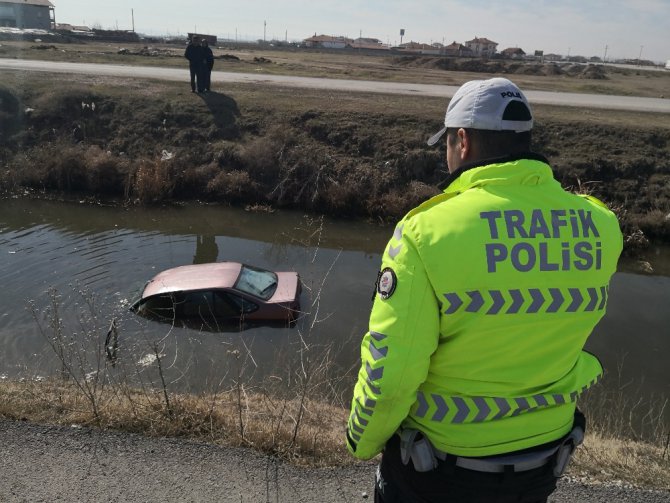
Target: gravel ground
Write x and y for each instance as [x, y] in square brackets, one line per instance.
[60, 464]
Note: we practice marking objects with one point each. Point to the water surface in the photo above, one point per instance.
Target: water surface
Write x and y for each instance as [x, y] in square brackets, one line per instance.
[96, 258]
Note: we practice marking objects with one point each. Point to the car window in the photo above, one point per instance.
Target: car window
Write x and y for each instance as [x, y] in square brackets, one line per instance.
[160, 305]
[256, 282]
[238, 305]
[197, 304]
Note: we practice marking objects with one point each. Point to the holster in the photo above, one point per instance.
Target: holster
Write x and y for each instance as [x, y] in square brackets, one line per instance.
[414, 446]
[566, 449]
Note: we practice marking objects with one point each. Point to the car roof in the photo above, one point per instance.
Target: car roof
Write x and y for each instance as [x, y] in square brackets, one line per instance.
[193, 277]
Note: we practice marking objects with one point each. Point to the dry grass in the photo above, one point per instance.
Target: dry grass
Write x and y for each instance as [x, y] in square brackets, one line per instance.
[606, 459]
[267, 423]
[305, 432]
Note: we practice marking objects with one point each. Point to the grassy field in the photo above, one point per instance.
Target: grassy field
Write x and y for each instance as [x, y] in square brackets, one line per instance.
[566, 77]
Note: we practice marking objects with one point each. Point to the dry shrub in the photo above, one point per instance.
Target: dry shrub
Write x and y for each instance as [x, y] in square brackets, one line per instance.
[194, 180]
[263, 156]
[396, 203]
[234, 186]
[71, 168]
[654, 224]
[605, 458]
[305, 175]
[152, 182]
[227, 154]
[419, 164]
[66, 171]
[343, 199]
[107, 173]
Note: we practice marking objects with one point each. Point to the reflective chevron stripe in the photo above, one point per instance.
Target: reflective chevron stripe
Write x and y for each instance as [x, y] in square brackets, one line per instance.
[357, 421]
[530, 301]
[393, 251]
[361, 413]
[376, 352]
[397, 233]
[374, 374]
[462, 409]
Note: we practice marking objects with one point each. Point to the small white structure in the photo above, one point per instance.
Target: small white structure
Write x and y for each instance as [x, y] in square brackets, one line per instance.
[328, 41]
[482, 46]
[667, 65]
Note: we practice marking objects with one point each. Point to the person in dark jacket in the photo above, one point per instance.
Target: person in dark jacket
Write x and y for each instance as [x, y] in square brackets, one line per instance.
[209, 64]
[196, 58]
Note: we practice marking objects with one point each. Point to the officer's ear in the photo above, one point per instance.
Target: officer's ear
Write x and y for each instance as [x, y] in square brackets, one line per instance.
[464, 144]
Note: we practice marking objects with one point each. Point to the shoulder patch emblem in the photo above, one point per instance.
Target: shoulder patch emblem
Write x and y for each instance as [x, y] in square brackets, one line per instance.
[386, 283]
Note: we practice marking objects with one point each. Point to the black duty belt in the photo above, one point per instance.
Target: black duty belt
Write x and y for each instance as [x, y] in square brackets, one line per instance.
[425, 457]
[499, 464]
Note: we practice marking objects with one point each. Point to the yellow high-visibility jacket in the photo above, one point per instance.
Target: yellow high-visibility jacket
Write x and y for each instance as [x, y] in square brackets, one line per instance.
[486, 296]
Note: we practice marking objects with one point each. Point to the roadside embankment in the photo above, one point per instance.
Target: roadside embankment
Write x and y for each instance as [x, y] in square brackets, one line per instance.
[352, 156]
[298, 428]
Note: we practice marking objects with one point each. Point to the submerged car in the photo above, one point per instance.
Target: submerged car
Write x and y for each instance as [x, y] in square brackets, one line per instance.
[226, 291]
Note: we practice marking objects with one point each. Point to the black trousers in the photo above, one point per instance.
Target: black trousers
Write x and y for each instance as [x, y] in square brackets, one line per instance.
[194, 74]
[398, 483]
[207, 75]
[198, 77]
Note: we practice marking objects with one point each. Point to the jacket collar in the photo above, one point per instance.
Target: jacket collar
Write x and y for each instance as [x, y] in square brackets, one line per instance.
[456, 180]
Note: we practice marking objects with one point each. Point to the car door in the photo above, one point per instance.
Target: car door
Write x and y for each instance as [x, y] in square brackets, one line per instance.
[230, 305]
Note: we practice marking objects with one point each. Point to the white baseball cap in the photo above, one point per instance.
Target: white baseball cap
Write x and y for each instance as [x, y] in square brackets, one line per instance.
[495, 104]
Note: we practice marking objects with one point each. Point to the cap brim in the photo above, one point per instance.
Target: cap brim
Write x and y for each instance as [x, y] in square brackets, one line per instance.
[436, 137]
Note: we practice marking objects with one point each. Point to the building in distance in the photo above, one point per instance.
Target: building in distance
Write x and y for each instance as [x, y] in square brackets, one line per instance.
[27, 14]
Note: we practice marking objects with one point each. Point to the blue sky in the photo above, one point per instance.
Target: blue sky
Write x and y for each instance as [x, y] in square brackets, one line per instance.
[584, 27]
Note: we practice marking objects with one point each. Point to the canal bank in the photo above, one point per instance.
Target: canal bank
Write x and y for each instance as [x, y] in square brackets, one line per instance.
[348, 155]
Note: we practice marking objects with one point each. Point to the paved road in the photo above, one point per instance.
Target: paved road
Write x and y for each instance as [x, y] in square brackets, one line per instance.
[632, 103]
[67, 464]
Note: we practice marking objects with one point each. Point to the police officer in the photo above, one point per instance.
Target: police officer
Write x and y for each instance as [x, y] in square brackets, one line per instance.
[474, 358]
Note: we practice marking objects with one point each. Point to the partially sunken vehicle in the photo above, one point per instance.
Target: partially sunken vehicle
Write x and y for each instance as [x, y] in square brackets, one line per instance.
[225, 291]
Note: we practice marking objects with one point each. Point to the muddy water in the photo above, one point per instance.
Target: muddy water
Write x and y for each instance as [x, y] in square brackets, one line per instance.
[95, 258]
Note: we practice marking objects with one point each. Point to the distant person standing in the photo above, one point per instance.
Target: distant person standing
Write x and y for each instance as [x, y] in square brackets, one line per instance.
[195, 55]
[208, 65]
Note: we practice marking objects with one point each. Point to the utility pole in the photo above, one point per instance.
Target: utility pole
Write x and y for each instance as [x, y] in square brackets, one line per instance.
[265, 24]
[605, 55]
[639, 58]
[132, 16]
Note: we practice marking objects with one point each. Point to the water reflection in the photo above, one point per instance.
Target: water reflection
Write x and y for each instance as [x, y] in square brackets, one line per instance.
[206, 249]
[108, 253]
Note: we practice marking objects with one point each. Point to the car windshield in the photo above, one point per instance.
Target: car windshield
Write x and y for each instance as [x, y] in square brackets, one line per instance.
[257, 282]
